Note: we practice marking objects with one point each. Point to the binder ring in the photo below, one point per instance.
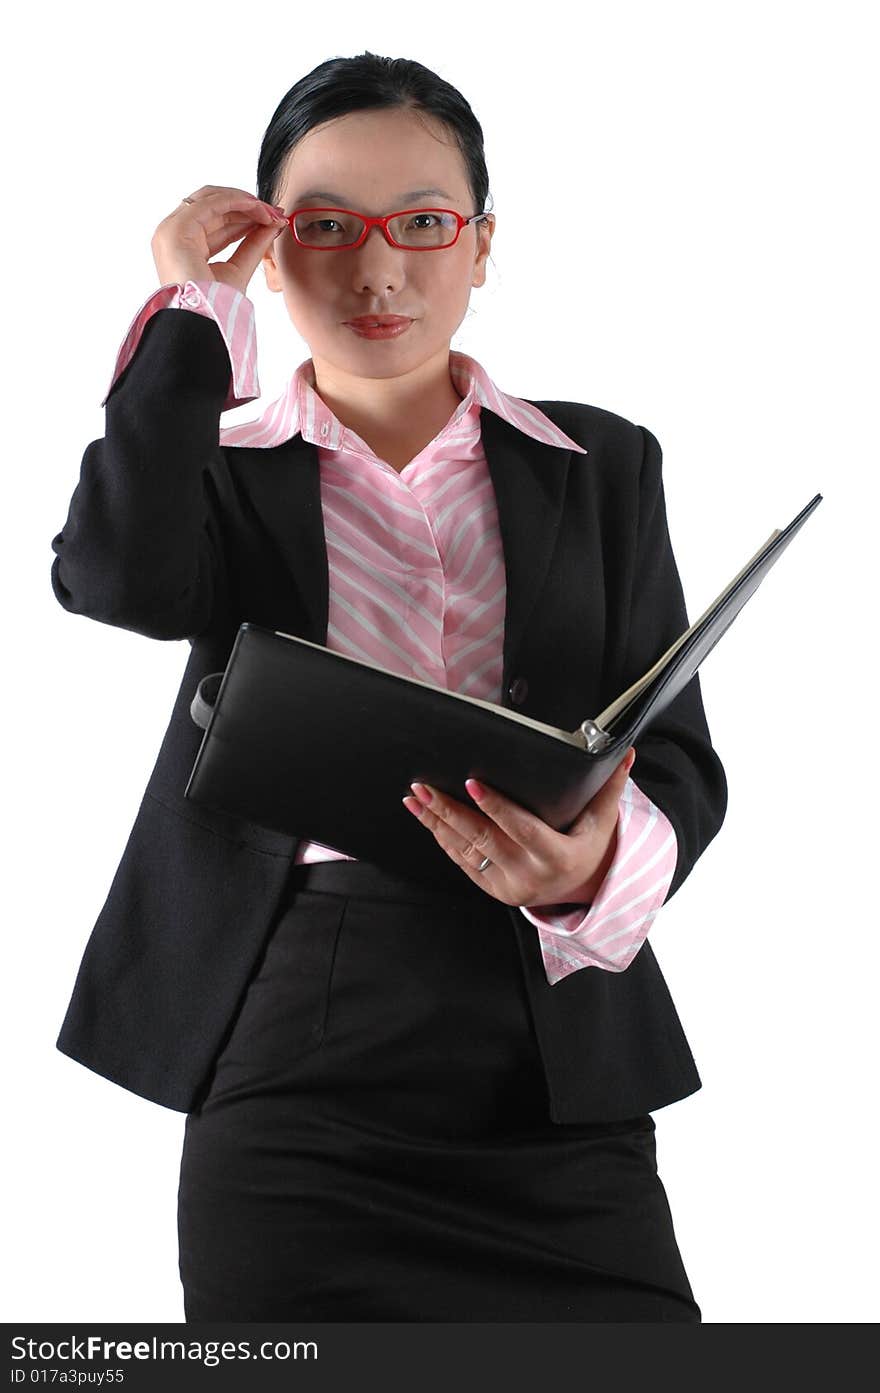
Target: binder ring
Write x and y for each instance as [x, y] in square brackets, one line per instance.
[202, 705]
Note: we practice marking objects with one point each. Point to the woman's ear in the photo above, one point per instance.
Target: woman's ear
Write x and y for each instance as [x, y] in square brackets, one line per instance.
[270, 269]
[484, 244]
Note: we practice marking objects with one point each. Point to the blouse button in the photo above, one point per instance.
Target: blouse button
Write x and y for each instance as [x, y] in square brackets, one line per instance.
[325, 428]
[192, 297]
[518, 691]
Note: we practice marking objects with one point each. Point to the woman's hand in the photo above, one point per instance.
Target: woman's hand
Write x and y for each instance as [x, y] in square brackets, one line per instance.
[183, 242]
[532, 864]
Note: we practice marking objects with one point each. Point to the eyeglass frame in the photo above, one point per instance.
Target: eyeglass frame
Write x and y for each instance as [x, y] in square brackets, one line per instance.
[382, 222]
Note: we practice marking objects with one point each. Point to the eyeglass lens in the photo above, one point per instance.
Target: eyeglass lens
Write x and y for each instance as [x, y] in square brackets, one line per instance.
[331, 227]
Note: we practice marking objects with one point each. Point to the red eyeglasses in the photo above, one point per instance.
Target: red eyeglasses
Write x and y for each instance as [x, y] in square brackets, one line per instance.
[413, 229]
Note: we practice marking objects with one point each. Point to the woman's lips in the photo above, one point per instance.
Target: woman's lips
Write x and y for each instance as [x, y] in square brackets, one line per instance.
[380, 326]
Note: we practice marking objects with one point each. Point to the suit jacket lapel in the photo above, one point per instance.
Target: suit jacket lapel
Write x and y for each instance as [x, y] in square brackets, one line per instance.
[284, 487]
[529, 479]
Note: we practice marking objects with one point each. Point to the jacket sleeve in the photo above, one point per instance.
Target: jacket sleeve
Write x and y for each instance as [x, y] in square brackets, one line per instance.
[142, 547]
[676, 765]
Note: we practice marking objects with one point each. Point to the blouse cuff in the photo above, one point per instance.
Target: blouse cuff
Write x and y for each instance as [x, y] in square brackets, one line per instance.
[231, 311]
[609, 932]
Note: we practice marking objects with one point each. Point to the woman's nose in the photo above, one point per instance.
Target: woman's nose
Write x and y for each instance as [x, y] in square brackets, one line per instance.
[378, 263]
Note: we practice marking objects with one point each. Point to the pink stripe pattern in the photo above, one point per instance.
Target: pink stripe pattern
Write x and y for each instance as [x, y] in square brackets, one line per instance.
[417, 585]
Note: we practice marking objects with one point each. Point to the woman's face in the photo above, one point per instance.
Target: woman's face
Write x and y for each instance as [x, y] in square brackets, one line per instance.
[370, 161]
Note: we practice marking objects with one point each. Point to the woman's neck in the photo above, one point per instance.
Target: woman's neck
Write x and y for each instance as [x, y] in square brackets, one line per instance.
[396, 416]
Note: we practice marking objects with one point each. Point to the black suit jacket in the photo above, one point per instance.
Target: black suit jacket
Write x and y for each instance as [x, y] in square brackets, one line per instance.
[174, 536]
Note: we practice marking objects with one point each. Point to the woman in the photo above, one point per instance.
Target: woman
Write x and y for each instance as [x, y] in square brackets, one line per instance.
[405, 1100]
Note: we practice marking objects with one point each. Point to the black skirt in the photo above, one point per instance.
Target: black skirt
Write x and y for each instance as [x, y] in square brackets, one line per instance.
[375, 1143]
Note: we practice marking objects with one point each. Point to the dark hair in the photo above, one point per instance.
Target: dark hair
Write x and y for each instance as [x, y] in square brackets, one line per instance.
[368, 81]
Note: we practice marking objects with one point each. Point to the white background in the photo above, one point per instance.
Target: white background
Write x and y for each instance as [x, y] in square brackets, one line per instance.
[685, 236]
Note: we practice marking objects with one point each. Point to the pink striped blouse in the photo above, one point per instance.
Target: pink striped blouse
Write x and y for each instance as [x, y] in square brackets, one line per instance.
[417, 585]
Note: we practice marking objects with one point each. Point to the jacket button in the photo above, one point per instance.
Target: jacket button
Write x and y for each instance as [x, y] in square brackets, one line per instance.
[518, 691]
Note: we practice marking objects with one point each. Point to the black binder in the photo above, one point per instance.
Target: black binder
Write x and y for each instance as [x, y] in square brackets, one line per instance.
[287, 715]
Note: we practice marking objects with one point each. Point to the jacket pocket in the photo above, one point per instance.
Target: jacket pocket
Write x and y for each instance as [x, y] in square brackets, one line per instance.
[165, 969]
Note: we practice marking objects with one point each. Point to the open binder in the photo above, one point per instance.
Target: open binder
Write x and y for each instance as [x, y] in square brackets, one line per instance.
[288, 715]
